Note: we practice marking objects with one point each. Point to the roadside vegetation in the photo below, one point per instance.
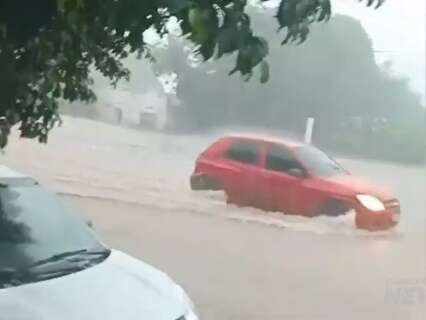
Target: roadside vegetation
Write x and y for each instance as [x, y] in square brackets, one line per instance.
[48, 48]
[361, 108]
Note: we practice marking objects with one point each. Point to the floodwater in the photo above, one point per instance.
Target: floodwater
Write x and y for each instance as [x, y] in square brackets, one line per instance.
[237, 263]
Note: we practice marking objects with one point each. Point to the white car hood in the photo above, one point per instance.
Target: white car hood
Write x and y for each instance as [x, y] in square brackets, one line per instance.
[120, 288]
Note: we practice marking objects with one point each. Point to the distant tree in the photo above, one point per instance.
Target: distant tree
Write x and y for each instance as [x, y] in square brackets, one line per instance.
[333, 77]
[48, 47]
[334, 81]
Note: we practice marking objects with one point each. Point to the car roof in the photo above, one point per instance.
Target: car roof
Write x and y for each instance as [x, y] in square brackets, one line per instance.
[6, 172]
[290, 143]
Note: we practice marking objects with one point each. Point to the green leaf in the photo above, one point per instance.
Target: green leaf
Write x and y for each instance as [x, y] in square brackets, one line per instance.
[207, 48]
[264, 72]
[175, 6]
[61, 4]
[227, 41]
[73, 19]
[250, 55]
[204, 24]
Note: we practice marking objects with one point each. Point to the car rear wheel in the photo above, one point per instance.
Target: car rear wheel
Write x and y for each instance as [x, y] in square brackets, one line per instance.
[204, 183]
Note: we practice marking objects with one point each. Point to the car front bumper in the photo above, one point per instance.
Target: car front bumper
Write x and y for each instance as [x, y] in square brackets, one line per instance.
[382, 220]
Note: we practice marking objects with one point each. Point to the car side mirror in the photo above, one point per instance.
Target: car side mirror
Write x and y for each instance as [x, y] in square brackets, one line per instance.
[297, 172]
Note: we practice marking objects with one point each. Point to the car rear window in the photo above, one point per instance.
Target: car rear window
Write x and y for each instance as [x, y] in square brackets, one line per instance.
[243, 151]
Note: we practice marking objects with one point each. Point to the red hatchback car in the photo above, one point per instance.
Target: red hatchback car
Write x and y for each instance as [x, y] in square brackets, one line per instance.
[291, 177]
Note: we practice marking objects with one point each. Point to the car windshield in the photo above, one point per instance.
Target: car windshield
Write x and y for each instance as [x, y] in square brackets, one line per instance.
[318, 163]
[34, 226]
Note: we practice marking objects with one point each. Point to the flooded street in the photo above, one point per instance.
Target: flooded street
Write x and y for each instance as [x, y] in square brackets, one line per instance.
[237, 263]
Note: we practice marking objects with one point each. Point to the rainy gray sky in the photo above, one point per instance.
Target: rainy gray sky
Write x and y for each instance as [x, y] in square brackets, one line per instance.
[398, 33]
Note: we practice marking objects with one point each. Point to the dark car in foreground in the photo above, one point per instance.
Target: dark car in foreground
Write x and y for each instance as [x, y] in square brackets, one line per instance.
[277, 174]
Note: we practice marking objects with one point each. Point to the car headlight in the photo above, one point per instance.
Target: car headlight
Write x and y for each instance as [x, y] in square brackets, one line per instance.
[371, 202]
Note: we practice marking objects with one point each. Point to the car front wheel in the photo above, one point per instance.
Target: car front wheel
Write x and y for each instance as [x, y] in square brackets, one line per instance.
[334, 208]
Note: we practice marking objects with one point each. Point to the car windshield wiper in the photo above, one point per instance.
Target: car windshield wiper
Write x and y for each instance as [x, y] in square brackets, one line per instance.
[75, 261]
[69, 254]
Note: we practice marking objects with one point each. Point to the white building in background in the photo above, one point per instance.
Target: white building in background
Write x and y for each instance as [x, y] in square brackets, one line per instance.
[154, 108]
[145, 109]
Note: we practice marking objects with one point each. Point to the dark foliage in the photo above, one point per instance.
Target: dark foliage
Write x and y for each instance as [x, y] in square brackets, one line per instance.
[47, 47]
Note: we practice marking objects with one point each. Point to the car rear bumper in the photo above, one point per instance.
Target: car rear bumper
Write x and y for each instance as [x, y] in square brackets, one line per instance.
[382, 220]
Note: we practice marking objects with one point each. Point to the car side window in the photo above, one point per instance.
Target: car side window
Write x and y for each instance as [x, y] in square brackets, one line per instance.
[280, 159]
[243, 151]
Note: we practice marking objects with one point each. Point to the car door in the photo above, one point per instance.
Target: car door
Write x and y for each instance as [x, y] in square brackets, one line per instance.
[281, 188]
[240, 175]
